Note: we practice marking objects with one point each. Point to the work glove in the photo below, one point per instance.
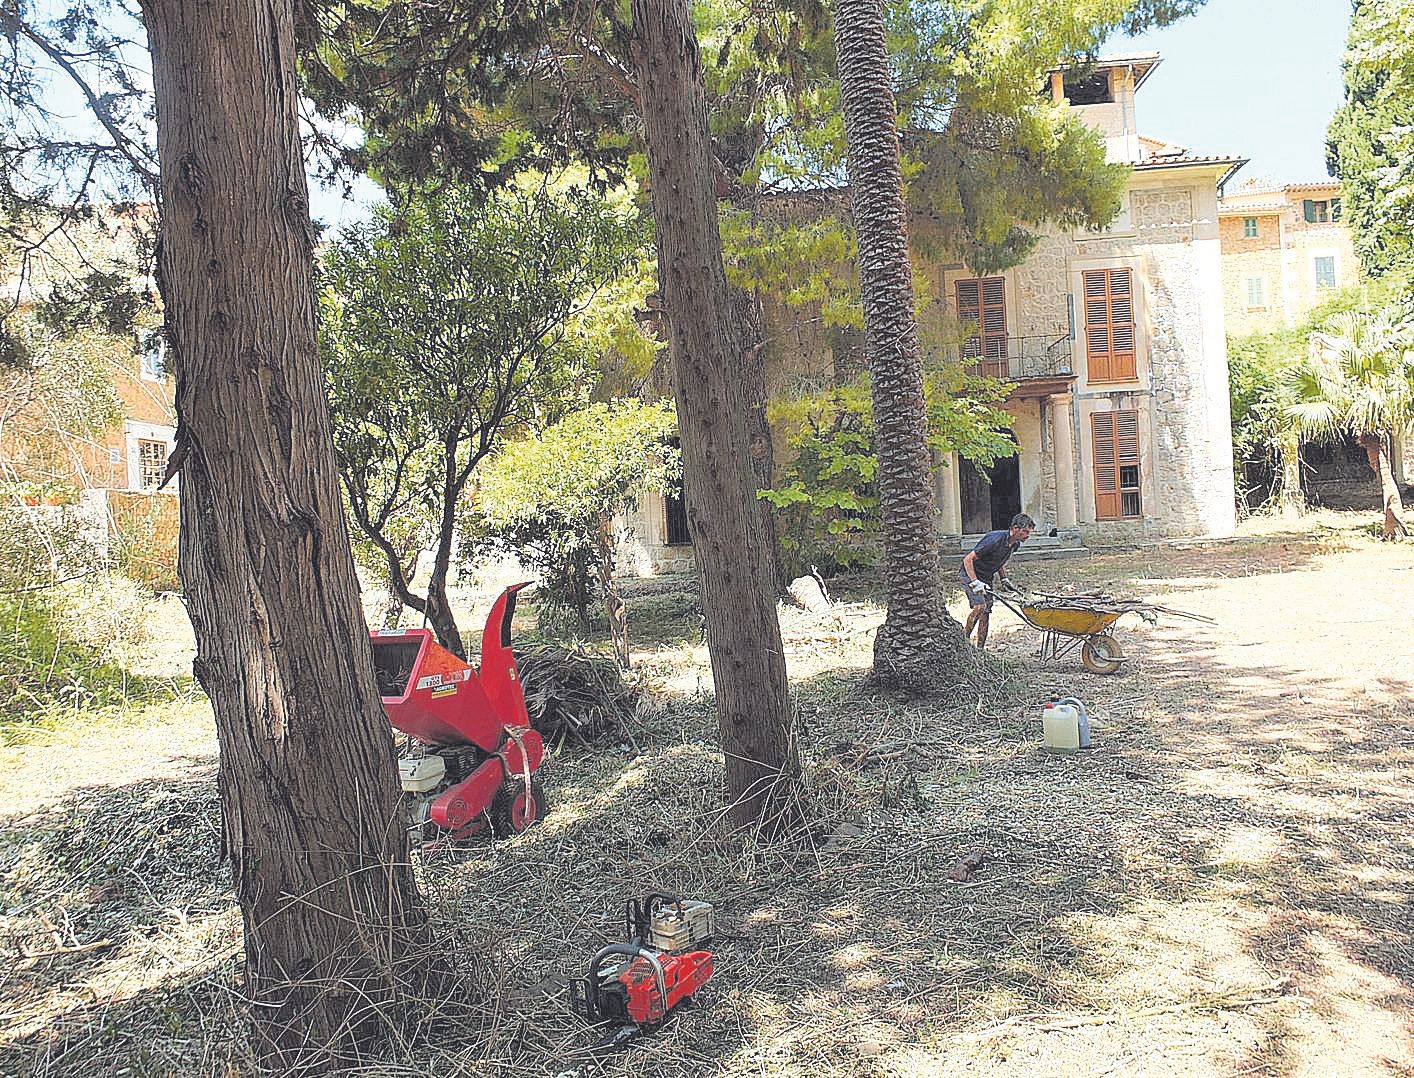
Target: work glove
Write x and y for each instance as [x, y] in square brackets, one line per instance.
[980, 587]
[1007, 585]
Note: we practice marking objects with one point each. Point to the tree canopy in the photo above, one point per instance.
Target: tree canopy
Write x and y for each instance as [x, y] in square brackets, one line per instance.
[482, 92]
[550, 499]
[446, 327]
[1370, 142]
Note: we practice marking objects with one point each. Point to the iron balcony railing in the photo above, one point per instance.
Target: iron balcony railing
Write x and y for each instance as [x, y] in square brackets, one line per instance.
[1015, 359]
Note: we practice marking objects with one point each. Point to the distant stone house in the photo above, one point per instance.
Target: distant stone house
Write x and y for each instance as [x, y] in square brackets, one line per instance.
[1284, 249]
[131, 455]
[1115, 342]
[116, 472]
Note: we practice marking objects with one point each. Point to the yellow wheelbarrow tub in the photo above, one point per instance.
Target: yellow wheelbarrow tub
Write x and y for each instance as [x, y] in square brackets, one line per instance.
[1069, 622]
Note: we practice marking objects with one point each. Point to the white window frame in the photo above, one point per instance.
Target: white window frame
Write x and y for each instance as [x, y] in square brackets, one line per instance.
[1316, 257]
[1251, 228]
[134, 434]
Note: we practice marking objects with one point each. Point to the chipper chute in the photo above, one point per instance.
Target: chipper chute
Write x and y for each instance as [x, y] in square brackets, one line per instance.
[474, 753]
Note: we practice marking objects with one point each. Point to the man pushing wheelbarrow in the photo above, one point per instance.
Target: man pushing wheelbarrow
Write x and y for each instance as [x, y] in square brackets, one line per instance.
[1066, 621]
[984, 561]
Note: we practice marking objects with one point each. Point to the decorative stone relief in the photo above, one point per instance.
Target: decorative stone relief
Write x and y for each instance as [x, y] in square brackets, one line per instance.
[1164, 216]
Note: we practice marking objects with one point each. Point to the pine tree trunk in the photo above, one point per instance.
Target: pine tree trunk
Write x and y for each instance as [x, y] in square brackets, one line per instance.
[920, 645]
[751, 336]
[309, 792]
[1377, 453]
[754, 710]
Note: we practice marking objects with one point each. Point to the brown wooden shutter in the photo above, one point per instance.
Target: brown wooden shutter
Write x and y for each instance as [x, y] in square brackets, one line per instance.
[982, 302]
[1109, 325]
[969, 311]
[1102, 437]
[1114, 438]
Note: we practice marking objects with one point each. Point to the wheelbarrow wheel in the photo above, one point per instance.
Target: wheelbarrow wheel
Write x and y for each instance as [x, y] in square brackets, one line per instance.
[515, 808]
[1101, 654]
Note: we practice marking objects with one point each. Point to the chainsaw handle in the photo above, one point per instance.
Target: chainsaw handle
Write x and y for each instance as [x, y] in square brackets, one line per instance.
[630, 950]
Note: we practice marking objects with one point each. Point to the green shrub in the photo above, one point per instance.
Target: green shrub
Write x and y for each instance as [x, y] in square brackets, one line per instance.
[48, 669]
[826, 497]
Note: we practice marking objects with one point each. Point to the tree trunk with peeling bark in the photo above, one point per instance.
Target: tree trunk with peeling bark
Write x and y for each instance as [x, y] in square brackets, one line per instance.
[1377, 453]
[751, 337]
[308, 782]
[755, 714]
[614, 608]
[920, 645]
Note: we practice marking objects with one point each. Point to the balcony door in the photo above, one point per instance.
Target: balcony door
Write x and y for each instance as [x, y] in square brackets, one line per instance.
[981, 303]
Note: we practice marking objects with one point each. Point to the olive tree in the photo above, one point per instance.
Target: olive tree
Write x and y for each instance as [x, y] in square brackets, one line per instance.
[447, 325]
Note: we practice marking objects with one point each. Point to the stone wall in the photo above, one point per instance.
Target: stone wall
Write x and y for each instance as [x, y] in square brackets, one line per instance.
[1181, 392]
[1283, 254]
[1245, 257]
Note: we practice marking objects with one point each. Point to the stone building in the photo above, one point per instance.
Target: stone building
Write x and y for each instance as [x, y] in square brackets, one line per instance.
[113, 474]
[1115, 343]
[131, 455]
[1284, 248]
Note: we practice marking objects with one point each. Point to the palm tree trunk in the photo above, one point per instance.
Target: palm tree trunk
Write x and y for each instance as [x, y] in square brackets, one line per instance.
[755, 717]
[1376, 446]
[1290, 497]
[920, 645]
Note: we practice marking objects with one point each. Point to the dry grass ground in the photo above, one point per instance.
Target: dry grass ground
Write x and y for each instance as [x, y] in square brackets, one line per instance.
[1221, 886]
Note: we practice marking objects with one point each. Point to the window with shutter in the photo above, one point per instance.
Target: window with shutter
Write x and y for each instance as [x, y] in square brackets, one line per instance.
[1109, 325]
[675, 527]
[1256, 297]
[1114, 439]
[981, 302]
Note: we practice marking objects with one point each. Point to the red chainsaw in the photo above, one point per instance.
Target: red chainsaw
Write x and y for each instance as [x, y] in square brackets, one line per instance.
[473, 753]
[638, 985]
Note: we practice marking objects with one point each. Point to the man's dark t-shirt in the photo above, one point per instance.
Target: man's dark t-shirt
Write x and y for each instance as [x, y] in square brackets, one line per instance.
[993, 551]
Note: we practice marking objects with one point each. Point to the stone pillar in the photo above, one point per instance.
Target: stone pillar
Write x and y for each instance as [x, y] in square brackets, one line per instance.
[1063, 450]
[949, 496]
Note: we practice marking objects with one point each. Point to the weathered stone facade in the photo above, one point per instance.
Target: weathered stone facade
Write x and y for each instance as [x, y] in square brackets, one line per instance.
[1168, 241]
[1272, 279]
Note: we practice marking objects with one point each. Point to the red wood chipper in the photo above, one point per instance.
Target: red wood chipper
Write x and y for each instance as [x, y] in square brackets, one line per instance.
[473, 753]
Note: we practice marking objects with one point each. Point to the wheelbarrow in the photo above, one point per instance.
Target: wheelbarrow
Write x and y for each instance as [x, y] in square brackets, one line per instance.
[1084, 621]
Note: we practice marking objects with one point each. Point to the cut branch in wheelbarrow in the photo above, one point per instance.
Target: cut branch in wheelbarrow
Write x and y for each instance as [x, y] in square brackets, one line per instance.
[1067, 622]
[1099, 602]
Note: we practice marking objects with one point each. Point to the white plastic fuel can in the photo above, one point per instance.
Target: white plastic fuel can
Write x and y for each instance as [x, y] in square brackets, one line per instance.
[1065, 725]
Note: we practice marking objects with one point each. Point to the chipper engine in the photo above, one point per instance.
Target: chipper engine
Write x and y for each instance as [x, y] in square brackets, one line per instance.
[473, 753]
